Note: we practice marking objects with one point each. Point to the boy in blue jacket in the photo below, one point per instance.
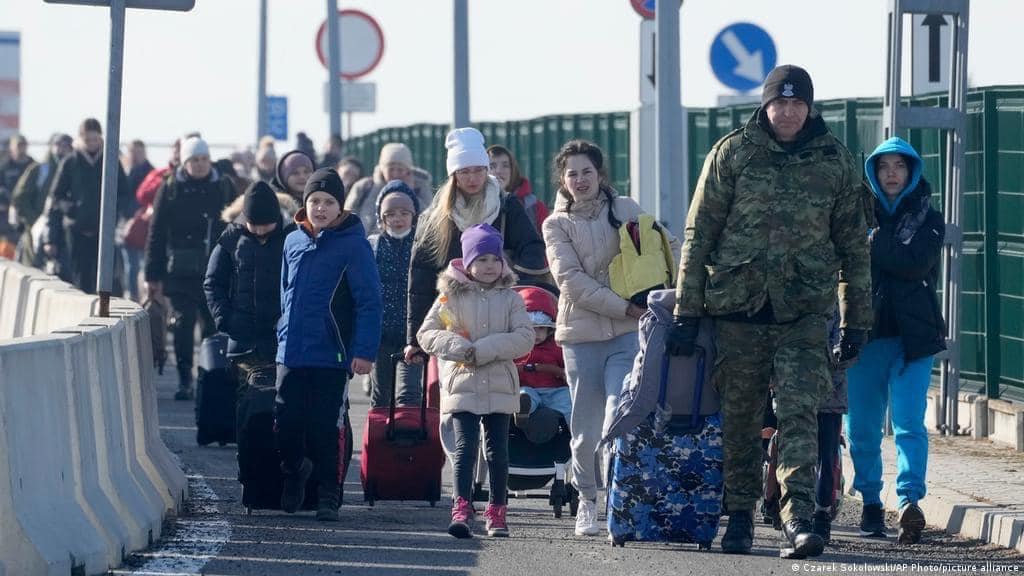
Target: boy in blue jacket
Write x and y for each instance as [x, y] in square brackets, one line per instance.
[330, 327]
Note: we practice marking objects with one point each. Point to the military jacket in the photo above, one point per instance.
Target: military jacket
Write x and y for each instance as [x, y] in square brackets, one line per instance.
[780, 224]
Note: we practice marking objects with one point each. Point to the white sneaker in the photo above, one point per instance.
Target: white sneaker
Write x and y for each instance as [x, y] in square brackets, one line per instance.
[586, 519]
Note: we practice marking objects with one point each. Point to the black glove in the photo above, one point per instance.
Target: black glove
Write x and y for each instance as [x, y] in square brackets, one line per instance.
[683, 336]
[850, 341]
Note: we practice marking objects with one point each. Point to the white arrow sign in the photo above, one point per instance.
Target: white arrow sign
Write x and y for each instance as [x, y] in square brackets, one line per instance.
[749, 66]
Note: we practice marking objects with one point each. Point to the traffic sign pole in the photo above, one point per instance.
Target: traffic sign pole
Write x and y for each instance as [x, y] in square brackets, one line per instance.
[334, 68]
[461, 17]
[261, 81]
[111, 159]
[673, 197]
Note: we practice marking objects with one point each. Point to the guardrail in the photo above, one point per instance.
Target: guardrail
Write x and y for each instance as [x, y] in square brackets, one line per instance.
[84, 477]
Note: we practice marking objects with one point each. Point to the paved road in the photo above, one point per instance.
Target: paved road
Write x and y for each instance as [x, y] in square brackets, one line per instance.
[216, 537]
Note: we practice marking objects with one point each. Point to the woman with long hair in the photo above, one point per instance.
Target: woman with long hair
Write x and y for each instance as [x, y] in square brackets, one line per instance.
[595, 327]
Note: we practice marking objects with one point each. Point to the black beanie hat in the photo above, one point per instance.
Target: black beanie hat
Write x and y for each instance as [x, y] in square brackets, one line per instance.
[788, 81]
[260, 205]
[325, 180]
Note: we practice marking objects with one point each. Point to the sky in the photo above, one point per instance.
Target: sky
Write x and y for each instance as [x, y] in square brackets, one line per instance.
[528, 58]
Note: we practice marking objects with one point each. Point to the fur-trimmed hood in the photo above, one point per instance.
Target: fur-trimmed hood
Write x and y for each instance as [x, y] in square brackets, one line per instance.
[233, 212]
[456, 280]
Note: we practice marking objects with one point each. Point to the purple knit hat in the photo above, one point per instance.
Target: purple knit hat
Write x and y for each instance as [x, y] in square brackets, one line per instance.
[479, 240]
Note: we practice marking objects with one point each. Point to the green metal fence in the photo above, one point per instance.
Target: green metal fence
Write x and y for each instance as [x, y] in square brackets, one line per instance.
[992, 307]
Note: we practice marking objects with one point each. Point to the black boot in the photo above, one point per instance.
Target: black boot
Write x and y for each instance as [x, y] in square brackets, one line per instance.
[294, 492]
[803, 542]
[821, 524]
[327, 503]
[872, 521]
[739, 535]
[184, 384]
[911, 524]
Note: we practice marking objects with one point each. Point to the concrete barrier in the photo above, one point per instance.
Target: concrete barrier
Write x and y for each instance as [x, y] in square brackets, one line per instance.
[84, 477]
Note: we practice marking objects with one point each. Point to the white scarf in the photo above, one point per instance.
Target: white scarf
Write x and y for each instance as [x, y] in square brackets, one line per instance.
[462, 213]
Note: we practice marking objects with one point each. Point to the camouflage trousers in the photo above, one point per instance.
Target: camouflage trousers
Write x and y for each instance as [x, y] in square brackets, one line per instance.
[793, 359]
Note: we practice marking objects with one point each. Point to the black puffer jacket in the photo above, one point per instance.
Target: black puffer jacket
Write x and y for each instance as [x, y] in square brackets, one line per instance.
[186, 223]
[243, 288]
[522, 243]
[904, 274]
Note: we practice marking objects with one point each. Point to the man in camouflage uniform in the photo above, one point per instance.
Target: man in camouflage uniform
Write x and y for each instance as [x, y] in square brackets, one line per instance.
[777, 214]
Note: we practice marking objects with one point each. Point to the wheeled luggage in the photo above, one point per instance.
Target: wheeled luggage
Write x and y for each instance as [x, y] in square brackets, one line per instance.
[666, 480]
[259, 463]
[402, 456]
[215, 393]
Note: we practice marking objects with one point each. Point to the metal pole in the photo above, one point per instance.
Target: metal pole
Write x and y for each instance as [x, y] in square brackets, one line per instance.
[673, 196]
[334, 67]
[111, 159]
[461, 117]
[261, 82]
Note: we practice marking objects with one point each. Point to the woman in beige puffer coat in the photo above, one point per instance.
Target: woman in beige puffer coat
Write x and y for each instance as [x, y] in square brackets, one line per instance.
[596, 327]
[476, 328]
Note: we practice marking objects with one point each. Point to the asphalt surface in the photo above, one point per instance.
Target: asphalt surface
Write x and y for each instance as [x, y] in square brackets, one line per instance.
[215, 536]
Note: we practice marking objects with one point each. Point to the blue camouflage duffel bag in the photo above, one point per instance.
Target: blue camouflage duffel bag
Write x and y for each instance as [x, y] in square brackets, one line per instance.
[665, 481]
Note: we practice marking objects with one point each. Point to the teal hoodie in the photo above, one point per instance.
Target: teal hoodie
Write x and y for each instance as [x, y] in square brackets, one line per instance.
[894, 145]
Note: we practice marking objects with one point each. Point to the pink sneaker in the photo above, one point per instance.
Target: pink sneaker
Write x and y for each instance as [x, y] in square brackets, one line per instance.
[462, 515]
[496, 521]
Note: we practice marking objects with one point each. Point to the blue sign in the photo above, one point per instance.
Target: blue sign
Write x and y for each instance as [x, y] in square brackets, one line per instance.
[742, 55]
[277, 117]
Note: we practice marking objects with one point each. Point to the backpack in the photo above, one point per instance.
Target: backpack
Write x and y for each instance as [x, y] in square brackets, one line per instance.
[640, 395]
[644, 261]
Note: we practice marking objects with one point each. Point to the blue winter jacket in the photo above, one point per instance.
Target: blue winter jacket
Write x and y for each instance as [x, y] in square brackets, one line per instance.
[330, 297]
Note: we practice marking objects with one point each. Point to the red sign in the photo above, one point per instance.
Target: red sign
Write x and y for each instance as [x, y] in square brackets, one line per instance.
[645, 8]
[362, 43]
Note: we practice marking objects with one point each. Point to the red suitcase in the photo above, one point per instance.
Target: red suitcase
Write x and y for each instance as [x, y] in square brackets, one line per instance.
[402, 456]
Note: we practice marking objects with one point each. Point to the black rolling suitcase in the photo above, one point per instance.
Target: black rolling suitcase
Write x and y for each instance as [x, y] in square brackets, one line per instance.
[259, 464]
[215, 393]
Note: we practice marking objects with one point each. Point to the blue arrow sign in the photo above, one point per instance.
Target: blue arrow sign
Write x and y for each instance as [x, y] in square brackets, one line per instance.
[277, 117]
[742, 55]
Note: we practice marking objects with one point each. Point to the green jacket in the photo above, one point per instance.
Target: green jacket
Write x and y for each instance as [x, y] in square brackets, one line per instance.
[767, 223]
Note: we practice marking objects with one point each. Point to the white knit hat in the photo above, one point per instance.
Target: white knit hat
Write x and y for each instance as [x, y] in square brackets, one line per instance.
[395, 152]
[465, 149]
[194, 146]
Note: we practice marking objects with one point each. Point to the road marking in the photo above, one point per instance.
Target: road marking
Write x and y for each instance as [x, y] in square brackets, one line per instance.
[195, 542]
[321, 563]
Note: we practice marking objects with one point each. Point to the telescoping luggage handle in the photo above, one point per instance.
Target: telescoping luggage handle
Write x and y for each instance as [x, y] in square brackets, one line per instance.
[698, 392]
[395, 359]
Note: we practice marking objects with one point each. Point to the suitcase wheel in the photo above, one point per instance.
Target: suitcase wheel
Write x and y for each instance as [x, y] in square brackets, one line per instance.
[557, 506]
[248, 510]
[433, 503]
[617, 542]
[704, 545]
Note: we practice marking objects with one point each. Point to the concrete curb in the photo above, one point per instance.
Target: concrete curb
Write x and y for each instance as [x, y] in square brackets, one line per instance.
[953, 512]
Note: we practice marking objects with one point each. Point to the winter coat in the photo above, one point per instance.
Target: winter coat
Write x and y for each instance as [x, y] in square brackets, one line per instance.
[534, 207]
[330, 297]
[185, 226]
[76, 194]
[233, 212]
[905, 250]
[490, 320]
[772, 225]
[10, 172]
[362, 199]
[581, 244]
[145, 194]
[524, 251]
[30, 192]
[243, 288]
[393, 256]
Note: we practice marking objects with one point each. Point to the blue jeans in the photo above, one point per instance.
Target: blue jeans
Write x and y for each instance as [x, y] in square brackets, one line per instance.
[595, 372]
[558, 399]
[132, 265]
[881, 376]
